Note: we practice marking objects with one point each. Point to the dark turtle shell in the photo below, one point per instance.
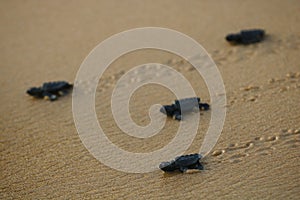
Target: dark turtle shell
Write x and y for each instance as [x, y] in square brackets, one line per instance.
[187, 104]
[56, 86]
[187, 160]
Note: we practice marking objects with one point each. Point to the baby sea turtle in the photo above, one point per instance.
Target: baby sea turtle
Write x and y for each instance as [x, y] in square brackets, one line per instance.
[183, 106]
[246, 36]
[51, 90]
[183, 163]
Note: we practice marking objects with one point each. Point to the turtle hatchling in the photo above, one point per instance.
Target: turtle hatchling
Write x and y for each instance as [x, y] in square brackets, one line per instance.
[183, 163]
[246, 36]
[50, 90]
[183, 106]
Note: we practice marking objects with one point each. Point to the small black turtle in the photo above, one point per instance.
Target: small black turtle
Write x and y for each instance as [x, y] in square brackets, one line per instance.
[246, 36]
[51, 90]
[183, 163]
[183, 106]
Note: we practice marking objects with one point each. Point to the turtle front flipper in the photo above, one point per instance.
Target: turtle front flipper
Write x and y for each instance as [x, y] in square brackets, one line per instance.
[199, 166]
[183, 169]
[63, 92]
[50, 96]
[177, 116]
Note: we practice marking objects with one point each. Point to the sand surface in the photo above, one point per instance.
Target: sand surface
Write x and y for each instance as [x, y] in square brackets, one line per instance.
[257, 155]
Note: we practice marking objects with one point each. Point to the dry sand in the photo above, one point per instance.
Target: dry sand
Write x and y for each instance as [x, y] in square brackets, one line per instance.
[257, 155]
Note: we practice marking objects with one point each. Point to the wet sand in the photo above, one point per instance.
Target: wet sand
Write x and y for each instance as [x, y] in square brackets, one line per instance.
[257, 155]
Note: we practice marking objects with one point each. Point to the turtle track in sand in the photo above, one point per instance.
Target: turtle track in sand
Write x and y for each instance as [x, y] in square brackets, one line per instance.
[263, 145]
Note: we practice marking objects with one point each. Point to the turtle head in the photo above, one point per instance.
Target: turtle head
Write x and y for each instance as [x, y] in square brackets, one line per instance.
[233, 38]
[167, 166]
[164, 164]
[36, 92]
[167, 110]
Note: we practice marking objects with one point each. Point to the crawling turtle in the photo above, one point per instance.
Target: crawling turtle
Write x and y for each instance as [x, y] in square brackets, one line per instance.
[182, 163]
[183, 106]
[51, 90]
[246, 36]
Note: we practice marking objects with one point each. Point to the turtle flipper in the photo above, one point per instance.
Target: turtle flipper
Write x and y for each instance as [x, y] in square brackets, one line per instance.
[50, 96]
[199, 166]
[63, 92]
[183, 169]
[177, 116]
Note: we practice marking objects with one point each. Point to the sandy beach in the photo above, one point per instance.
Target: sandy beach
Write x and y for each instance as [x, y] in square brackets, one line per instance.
[257, 155]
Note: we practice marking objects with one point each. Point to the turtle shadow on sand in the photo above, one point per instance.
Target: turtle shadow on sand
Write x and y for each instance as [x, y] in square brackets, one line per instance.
[177, 173]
